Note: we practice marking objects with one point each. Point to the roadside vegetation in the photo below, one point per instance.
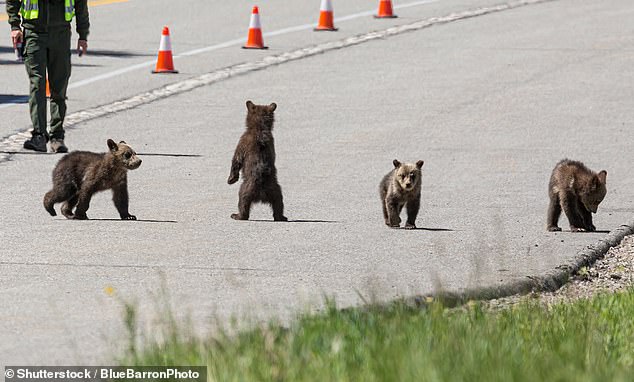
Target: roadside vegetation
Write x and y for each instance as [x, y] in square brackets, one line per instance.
[587, 340]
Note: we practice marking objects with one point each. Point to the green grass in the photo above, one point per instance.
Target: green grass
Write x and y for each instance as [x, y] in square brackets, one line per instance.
[584, 341]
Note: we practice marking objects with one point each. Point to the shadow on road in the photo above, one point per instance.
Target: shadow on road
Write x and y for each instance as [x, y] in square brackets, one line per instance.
[151, 154]
[582, 232]
[120, 220]
[429, 229]
[313, 221]
[87, 65]
[13, 98]
[170, 155]
[294, 221]
[115, 53]
[26, 153]
[11, 62]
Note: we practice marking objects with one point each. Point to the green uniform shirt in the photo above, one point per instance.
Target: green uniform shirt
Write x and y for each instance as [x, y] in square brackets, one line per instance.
[51, 14]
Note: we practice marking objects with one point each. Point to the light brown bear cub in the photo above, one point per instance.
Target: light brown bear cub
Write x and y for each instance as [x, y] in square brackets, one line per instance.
[578, 191]
[81, 174]
[401, 187]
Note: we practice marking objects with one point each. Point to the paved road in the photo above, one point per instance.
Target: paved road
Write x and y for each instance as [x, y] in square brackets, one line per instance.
[122, 47]
[490, 103]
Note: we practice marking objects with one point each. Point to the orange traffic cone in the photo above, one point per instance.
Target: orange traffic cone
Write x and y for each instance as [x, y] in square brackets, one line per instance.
[48, 89]
[165, 64]
[385, 10]
[254, 40]
[326, 22]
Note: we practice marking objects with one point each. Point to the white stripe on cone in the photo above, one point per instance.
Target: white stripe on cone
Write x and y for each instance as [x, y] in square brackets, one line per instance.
[166, 45]
[326, 5]
[255, 21]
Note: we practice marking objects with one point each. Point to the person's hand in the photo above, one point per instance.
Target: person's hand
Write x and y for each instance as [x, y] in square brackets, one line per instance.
[82, 47]
[16, 36]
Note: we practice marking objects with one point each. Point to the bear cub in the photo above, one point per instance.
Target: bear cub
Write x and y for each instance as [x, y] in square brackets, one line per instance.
[81, 174]
[401, 187]
[577, 191]
[255, 156]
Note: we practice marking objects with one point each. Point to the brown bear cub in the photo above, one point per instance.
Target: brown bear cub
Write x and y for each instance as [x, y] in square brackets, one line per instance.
[401, 187]
[80, 174]
[255, 156]
[578, 191]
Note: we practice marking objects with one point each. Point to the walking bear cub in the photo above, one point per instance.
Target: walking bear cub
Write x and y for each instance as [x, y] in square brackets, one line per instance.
[401, 187]
[81, 174]
[578, 191]
[255, 156]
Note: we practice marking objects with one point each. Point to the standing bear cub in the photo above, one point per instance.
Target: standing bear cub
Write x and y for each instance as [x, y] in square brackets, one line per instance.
[255, 156]
[401, 187]
[578, 191]
[80, 174]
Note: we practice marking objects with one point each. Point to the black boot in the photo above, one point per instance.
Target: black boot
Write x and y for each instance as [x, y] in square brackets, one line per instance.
[36, 143]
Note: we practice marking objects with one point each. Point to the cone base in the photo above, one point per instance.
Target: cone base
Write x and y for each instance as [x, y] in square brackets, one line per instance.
[385, 17]
[255, 47]
[321, 29]
[164, 71]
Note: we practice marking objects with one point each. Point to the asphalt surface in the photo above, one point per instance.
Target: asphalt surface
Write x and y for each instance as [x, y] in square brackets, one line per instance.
[491, 103]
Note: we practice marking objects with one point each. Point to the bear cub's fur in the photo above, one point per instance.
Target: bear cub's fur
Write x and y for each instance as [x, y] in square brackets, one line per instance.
[255, 156]
[578, 191]
[401, 187]
[81, 174]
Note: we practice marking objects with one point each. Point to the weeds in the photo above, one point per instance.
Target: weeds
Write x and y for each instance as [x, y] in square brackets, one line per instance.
[589, 340]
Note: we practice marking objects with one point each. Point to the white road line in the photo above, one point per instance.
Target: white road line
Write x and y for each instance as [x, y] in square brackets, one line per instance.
[14, 142]
[111, 74]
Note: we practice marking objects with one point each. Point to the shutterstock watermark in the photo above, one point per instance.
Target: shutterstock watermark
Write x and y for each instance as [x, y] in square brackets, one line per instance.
[105, 373]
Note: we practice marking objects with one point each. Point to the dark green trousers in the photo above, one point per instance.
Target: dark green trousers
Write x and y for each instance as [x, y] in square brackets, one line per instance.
[48, 53]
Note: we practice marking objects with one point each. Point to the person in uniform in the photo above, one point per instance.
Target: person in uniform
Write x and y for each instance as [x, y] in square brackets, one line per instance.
[46, 40]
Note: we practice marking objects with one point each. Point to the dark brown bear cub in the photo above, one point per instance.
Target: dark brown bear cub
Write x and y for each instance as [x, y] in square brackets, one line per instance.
[81, 174]
[401, 187]
[255, 156]
[577, 191]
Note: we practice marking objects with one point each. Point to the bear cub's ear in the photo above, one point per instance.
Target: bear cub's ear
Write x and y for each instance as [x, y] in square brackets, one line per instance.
[272, 107]
[250, 105]
[396, 163]
[420, 163]
[112, 145]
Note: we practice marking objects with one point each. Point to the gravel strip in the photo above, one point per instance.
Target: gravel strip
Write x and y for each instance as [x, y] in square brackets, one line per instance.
[612, 273]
